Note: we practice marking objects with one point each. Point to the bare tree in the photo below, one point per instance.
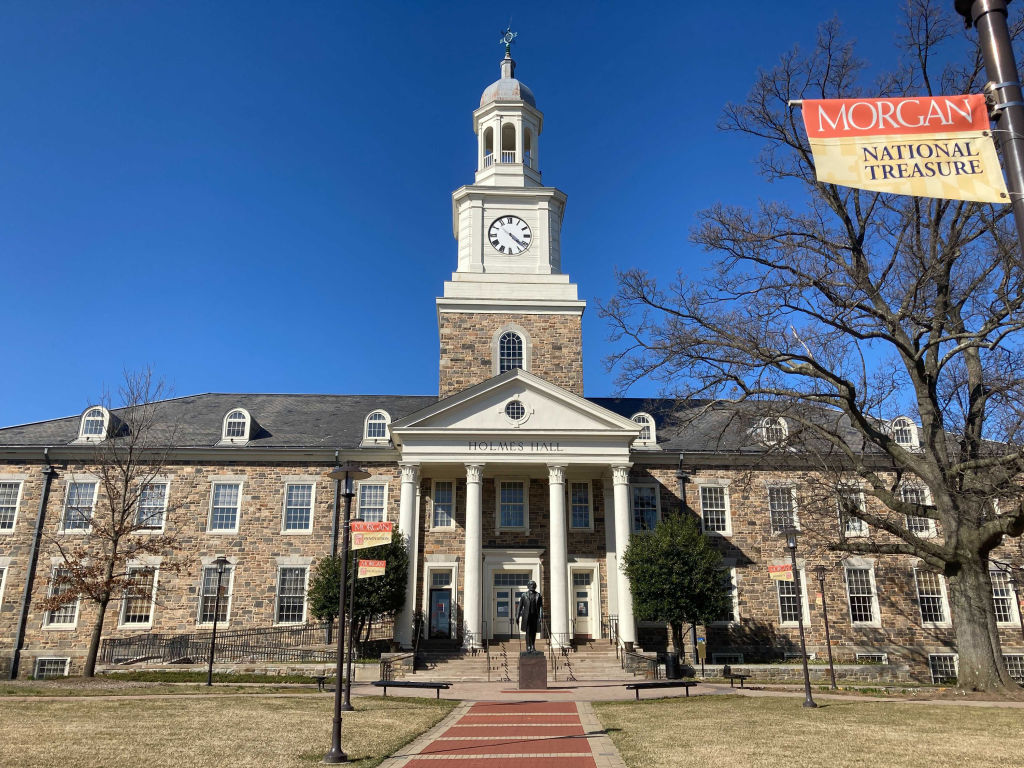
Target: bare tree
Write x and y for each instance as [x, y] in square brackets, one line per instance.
[105, 558]
[851, 308]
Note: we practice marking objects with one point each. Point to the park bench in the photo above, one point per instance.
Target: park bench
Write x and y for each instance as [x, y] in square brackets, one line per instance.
[733, 676]
[637, 687]
[385, 684]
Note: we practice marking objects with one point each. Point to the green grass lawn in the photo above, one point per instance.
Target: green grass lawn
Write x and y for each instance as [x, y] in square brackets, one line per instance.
[770, 732]
[243, 730]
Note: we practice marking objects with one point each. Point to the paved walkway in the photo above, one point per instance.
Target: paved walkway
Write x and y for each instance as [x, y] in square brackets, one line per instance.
[522, 734]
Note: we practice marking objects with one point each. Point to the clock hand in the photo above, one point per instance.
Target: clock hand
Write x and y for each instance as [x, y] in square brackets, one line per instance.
[516, 239]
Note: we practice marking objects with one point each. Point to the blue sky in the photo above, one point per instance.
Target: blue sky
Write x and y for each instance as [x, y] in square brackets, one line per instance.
[255, 196]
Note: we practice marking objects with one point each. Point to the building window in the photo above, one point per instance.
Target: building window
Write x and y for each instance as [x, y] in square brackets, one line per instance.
[10, 493]
[1015, 666]
[152, 506]
[376, 428]
[774, 430]
[904, 432]
[94, 424]
[371, 502]
[298, 507]
[515, 410]
[647, 431]
[140, 594]
[443, 504]
[931, 597]
[208, 595]
[512, 504]
[67, 614]
[782, 508]
[78, 506]
[291, 595]
[872, 658]
[236, 426]
[440, 579]
[644, 500]
[510, 351]
[224, 503]
[49, 667]
[3, 576]
[732, 613]
[851, 502]
[790, 603]
[714, 508]
[922, 526]
[860, 590]
[943, 668]
[1003, 598]
[579, 505]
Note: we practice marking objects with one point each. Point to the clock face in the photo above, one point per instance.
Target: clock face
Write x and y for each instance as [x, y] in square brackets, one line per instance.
[509, 234]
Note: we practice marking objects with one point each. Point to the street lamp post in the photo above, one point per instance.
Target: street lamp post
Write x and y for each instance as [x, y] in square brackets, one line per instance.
[220, 564]
[346, 475]
[791, 544]
[347, 703]
[819, 571]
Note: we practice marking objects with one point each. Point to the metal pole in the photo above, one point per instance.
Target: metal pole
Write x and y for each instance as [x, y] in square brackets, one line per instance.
[989, 16]
[820, 571]
[347, 705]
[808, 700]
[213, 635]
[336, 755]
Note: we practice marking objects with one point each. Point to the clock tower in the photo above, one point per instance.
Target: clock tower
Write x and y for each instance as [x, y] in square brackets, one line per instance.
[508, 304]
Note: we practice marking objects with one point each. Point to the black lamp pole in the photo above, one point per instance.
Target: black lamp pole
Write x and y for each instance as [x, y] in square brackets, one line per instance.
[220, 563]
[348, 474]
[819, 571]
[347, 704]
[791, 543]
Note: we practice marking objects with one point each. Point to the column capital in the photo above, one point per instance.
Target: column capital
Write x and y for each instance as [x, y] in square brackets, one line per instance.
[410, 471]
[474, 473]
[620, 474]
[556, 474]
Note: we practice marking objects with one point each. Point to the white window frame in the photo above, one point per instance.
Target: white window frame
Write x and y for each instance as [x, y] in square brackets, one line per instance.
[90, 438]
[242, 439]
[804, 604]
[138, 507]
[19, 481]
[35, 666]
[524, 337]
[368, 441]
[359, 497]
[590, 504]
[863, 530]
[1014, 619]
[48, 623]
[932, 531]
[792, 495]
[876, 615]
[956, 665]
[5, 566]
[433, 501]
[904, 422]
[724, 485]
[863, 656]
[288, 482]
[769, 422]
[277, 595]
[214, 482]
[78, 480]
[647, 422]
[947, 621]
[632, 506]
[152, 599]
[729, 566]
[525, 527]
[229, 596]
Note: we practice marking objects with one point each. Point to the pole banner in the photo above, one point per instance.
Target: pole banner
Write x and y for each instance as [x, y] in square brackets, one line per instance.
[370, 568]
[781, 572]
[366, 535]
[929, 146]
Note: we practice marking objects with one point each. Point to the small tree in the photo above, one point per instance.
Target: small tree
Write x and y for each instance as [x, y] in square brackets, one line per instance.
[676, 576]
[104, 563]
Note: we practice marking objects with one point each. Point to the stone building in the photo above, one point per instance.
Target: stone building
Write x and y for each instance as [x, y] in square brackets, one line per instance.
[509, 474]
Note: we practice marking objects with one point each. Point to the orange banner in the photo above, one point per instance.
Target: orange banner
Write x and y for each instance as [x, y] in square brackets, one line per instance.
[938, 146]
[781, 572]
[366, 534]
[367, 569]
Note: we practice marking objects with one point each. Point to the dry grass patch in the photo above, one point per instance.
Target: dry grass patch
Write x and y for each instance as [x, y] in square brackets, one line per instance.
[202, 732]
[766, 732]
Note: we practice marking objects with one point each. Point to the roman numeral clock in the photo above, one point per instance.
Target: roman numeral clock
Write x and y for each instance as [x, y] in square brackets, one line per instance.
[510, 235]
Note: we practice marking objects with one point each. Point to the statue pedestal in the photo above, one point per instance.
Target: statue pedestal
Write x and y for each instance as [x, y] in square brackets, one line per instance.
[533, 671]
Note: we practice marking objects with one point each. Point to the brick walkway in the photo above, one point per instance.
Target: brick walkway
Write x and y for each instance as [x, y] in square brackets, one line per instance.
[523, 734]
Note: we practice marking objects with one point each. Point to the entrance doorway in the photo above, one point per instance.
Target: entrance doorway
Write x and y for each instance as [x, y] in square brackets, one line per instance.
[440, 625]
[583, 604]
[507, 589]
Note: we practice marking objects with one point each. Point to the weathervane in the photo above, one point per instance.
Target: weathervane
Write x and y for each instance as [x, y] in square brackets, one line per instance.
[507, 39]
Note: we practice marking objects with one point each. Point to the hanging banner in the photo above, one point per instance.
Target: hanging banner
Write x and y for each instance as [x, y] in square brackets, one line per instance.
[781, 572]
[366, 535]
[367, 569]
[939, 146]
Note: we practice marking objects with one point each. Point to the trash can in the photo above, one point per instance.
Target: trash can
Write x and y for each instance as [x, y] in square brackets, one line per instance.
[673, 671]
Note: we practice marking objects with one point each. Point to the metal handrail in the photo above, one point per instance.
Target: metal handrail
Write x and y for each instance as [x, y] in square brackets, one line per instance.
[635, 662]
[387, 666]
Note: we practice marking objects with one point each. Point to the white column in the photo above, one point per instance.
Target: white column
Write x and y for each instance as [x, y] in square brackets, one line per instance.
[558, 600]
[474, 555]
[407, 528]
[610, 561]
[620, 479]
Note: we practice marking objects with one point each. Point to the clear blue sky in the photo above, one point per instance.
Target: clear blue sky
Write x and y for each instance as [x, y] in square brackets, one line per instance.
[255, 196]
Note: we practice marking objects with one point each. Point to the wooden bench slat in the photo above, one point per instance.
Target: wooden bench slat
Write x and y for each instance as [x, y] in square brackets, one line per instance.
[686, 684]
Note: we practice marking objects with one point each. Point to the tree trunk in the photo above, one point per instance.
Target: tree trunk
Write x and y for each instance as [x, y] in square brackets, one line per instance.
[981, 665]
[94, 639]
[677, 638]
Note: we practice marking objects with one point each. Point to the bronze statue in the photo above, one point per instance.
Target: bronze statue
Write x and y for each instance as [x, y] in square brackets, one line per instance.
[529, 614]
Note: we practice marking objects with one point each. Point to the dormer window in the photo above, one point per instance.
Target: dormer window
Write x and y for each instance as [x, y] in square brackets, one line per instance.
[904, 432]
[95, 422]
[237, 427]
[647, 434]
[774, 430]
[375, 429]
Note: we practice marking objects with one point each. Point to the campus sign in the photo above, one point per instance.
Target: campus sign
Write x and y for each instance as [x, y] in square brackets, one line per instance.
[366, 535]
[781, 572]
[370, 568]
[937, 146]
